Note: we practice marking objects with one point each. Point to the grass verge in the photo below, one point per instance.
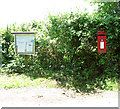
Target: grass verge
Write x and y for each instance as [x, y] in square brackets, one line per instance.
[19, 81]
[113, 86]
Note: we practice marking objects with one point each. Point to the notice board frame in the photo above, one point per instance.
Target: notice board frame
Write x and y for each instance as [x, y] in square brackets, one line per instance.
[24, 34]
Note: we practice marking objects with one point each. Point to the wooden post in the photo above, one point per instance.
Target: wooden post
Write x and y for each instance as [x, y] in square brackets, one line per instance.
[0, 53]
[26, 60]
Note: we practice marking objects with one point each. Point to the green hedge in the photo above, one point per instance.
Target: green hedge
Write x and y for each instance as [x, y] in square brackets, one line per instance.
[66, 49]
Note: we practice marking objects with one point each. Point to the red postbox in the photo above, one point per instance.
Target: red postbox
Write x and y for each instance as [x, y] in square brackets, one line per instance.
[101, 42]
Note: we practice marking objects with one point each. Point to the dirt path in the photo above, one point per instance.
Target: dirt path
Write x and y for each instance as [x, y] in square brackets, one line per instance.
[52, 97]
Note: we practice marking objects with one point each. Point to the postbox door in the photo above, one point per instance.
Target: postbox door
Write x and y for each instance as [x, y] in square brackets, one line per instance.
[102, 44]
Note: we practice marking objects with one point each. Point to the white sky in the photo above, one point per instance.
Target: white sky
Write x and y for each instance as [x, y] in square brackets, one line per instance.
[20, 11]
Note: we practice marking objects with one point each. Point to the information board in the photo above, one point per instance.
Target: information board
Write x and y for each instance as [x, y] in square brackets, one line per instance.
[24, 43]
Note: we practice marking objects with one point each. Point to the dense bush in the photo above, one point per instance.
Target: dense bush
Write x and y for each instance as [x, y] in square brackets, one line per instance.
[75, 37]
[66, 49]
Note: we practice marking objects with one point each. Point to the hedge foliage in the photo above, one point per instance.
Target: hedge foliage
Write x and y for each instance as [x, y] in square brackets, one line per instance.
[66, 49]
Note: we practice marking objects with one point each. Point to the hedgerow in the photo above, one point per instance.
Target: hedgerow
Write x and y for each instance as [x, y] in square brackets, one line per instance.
[66, 50]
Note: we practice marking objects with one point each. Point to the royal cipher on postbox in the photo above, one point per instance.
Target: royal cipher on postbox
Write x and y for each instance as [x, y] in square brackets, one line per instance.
[101, 42]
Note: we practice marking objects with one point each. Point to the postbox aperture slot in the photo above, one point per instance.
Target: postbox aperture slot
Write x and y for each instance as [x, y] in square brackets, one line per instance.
[101, 34]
